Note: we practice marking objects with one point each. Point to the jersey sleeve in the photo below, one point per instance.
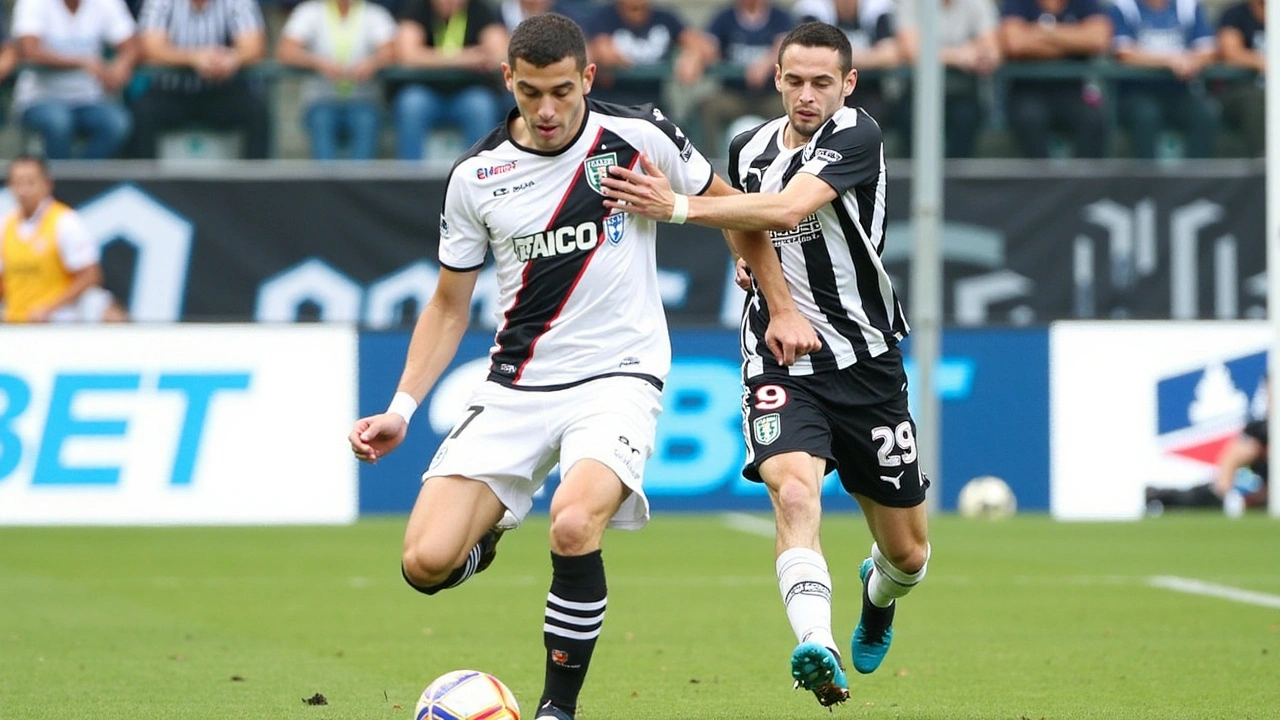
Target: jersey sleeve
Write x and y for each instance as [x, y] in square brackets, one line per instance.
[75, 246]
[1201, 35]
[464, 238]
[1125, 36]
[304, 24]
[735, 159]
[673, 152]
[28, 19]
[846, 158]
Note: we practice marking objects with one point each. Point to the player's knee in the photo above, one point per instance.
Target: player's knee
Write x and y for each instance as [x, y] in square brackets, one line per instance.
[910, 558]
[423, 569]
[573, 532]
[798, 494]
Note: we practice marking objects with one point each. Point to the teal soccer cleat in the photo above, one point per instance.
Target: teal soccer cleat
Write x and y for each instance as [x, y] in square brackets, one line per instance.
[875, 628]
[817, 668]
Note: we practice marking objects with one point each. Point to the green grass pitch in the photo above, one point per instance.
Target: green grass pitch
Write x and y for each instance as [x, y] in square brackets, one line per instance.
[1019, 619]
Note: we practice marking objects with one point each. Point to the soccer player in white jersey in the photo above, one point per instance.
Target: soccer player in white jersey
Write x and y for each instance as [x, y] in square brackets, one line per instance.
[815, 178]
[582, 350]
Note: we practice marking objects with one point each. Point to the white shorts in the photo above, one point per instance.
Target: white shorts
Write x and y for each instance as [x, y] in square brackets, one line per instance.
[511, 439]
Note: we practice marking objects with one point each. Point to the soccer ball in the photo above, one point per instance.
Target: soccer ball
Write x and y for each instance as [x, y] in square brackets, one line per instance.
[988, 497]
[467, 695]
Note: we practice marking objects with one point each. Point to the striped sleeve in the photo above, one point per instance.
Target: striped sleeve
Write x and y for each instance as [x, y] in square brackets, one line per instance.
[155, 15]
[846, 157]
[246, 17]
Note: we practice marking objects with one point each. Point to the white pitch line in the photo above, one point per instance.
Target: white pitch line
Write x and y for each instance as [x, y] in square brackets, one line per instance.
[749, 524]
[1226, 592]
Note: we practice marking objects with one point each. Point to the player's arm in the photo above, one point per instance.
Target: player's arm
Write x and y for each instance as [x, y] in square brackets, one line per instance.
[435, 341]
[438, 332]
[79, 255]
[649, 194]
[789, 335]
[81, 280]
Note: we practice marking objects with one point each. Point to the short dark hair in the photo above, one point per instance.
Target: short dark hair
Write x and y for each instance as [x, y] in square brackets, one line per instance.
[820, 34]
[37, 160]
[547, 38]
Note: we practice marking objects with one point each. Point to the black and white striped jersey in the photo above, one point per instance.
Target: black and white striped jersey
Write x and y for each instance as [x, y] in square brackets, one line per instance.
[577, 285]
[832, 258]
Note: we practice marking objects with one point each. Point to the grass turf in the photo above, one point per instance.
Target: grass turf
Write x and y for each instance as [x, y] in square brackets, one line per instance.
[1020, 619]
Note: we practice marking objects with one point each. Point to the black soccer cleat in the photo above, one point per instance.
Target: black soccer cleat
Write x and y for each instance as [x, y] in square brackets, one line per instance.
[488, 548]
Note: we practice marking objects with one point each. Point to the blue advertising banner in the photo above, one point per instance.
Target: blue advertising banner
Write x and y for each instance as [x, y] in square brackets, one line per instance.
[994, 386]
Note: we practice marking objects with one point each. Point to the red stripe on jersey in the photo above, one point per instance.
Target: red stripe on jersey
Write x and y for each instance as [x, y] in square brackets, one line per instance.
[533, 346]
[524, 276]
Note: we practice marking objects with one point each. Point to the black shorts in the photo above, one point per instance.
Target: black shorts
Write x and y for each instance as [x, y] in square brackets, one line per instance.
[827, 415]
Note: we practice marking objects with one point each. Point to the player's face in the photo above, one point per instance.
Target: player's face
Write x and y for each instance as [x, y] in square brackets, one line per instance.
[551, 101]
[812, 86]
[29, 185]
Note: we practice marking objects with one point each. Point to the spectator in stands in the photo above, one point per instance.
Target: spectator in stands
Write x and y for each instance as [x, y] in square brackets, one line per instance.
[967, 31]
[1055, 31]
[345, 43]
[49, 265]
[634, 34]
[68, 90]
[205, 46]
[514, 11]
[8, 54]
[745, 35]
[1242, 37]
[1172, 35]
[465, 36]
[870, 28]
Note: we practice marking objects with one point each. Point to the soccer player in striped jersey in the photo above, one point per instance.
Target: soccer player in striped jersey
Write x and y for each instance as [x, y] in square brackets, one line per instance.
[815, 179]
[582, 351]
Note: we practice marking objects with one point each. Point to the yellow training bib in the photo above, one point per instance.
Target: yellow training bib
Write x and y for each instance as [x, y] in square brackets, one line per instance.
[34, 275]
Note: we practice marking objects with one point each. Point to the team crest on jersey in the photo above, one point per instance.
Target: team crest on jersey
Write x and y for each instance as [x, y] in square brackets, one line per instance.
[444, 226]
[596, 168]
[613, 225]
[767, 428]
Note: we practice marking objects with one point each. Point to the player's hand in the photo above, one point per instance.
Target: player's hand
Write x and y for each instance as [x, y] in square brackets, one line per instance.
[39, 314]
[742, 275]
[376, 435]
[790, 337]
[648, 194]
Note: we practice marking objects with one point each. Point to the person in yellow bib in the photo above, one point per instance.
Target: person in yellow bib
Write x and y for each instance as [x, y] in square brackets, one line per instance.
[48, 261]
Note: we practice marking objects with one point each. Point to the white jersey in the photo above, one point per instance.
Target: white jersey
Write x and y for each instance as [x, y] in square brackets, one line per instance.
[832, 258]
[578, 285]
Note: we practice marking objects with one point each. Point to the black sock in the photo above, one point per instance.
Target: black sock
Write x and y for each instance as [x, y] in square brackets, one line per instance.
[575, 612]
[875, 619]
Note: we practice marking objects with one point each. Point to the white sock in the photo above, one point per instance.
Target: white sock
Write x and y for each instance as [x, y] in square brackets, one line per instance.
[888, 583]
[806, 591]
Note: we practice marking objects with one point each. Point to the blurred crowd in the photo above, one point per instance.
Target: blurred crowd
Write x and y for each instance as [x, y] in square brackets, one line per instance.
[1061, 78]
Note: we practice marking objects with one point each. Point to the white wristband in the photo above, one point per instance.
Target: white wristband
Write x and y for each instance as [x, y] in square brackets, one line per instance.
[680, 210]
[403, 405]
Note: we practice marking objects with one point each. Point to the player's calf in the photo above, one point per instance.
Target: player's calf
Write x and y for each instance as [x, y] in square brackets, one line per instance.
[882, 584]
[430, 578]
